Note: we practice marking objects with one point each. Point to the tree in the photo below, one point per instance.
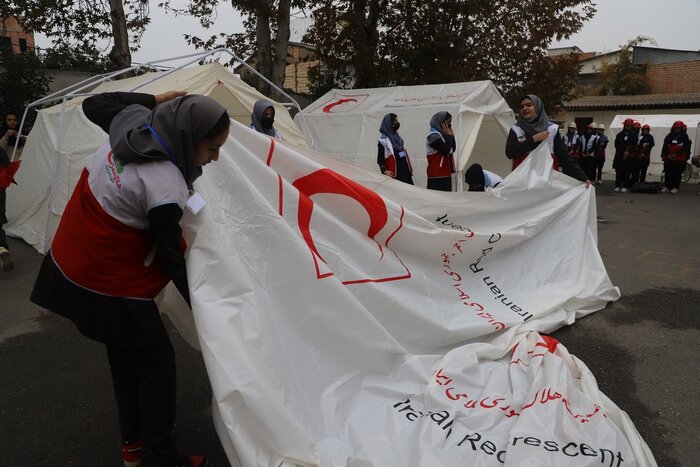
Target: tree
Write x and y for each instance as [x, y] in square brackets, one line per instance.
[442, 41]
[80, 24]
[23, 81]
[552, 79]
[347, 37]
[266, 35]
[623, 77]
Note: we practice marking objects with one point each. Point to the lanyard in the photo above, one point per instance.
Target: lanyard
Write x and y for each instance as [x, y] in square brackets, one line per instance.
[162, 143]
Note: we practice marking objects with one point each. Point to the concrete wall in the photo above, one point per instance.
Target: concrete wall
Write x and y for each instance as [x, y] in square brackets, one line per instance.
[61, 79]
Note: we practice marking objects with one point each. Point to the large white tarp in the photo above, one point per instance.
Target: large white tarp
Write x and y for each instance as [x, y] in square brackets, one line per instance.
[62, 140]
[660, 127]
[347, 319]
[344, 123]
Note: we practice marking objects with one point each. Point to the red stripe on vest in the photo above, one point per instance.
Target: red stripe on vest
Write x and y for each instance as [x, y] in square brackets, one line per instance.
[100, 253]
[435, 169]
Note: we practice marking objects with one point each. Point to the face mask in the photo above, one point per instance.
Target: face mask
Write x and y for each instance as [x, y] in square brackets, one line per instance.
[396, 126]
[266, 122]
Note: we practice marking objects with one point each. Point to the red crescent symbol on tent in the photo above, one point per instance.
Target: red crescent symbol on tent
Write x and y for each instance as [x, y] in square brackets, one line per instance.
[327, 109]
[327, 181]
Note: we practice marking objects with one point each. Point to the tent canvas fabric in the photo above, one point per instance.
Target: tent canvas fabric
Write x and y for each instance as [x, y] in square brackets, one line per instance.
[63, 139]
[347, 319]
[345, 123]
[660, 127]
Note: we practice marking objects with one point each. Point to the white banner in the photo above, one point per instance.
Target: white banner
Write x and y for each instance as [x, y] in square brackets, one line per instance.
[347, 319]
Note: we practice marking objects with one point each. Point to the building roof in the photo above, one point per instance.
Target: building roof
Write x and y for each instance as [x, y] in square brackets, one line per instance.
[642, 101]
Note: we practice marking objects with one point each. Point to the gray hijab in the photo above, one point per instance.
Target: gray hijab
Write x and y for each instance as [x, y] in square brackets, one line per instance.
[258, 109]
[176, 128]
[437, 121]
[539, 122]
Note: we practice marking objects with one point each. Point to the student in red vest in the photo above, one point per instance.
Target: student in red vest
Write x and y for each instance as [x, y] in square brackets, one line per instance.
[533, 127]
[119, 243]
[645, 143]
[625, 149]
[675, 153]
[392, 156]
[440, 146]
[601, 145]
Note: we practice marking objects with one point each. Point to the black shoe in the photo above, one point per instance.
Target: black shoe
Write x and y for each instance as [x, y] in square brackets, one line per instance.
[6, 262]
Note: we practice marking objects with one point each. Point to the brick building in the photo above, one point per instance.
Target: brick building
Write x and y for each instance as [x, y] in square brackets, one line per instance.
[675, 78]
[13, 35]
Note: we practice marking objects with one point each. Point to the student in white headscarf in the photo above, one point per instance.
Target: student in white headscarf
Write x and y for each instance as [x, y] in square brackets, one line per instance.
[392, 157]
[119, 243]
[263, 119]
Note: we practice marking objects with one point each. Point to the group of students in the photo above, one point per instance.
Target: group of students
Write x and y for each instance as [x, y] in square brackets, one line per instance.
[394, 161]
[581, 156]
[633, 145]
[158, 145]
[532, 127]
[588, 149]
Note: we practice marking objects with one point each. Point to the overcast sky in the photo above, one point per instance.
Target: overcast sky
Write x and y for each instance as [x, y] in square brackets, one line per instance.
[672, 23]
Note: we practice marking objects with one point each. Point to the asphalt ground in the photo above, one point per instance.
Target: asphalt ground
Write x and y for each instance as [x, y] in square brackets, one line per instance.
[57, 408]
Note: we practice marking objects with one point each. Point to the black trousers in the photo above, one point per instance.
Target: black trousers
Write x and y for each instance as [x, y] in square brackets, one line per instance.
[3, 219]
[141, 357]
[599, 163]
[623, 170]
[440, 183]
[588, 165]
[674, 173]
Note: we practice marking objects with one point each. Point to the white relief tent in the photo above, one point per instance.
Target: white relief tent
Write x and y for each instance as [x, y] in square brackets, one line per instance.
[63, 139]
[344, 123]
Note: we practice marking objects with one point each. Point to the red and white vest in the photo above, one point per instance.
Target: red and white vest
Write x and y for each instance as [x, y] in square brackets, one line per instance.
[390, 157]
[439, 165]
[103, 242]
[552, 129]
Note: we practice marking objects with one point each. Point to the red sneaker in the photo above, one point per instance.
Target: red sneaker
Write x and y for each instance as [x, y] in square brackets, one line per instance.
[132, 453]
[194, 461]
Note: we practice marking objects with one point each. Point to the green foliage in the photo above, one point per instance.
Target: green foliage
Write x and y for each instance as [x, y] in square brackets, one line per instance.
[21, 82]
[63, 57]
[624, 77]
[81, 25]
[390, 42]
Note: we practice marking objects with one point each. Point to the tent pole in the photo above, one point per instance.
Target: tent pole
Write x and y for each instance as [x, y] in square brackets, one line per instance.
[54, 176]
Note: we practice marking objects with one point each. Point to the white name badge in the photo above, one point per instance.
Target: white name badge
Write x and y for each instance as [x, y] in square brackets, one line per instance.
[402, 153]
[195, 203]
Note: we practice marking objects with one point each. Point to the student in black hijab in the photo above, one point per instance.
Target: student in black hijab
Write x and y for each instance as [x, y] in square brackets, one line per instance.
[263, 119]
[533, 127]
[392, 156]
[119, 243]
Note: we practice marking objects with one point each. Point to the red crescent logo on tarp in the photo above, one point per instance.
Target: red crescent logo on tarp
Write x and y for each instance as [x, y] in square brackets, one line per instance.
[340, 103]
[384, 224]
[327, 181]
[327, 109]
